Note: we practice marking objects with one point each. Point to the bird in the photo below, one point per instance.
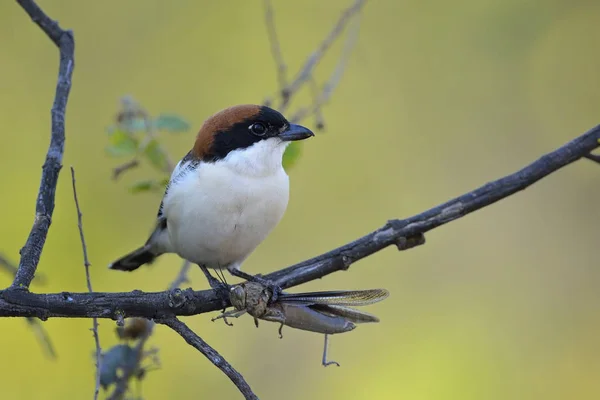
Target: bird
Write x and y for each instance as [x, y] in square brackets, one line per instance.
[225, 195]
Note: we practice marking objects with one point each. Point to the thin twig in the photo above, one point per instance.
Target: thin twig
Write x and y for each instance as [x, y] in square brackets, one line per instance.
[328, 88]
[19, 303]
[312, 61]
[214, 357]
[182, 276]
[593, 157]
[120, 169]
[33, 323]
[319, 118]
[11, 268]
[32, 251]
[86, 263]
[42, 336]
[276, 50]
[7, 265]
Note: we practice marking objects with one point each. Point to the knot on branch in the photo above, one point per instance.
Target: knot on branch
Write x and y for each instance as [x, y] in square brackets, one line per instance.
[67, 297]
[181, 299]
[346, 261]
[396, 224]
[405, 243]
[119, 316]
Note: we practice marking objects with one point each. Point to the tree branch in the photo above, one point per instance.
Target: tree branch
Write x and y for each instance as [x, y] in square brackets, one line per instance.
[196, 341]
[32, 251]
[402, 233]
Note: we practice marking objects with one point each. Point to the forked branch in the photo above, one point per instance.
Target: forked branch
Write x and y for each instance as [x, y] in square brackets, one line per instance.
[404, 234]
[163, 307]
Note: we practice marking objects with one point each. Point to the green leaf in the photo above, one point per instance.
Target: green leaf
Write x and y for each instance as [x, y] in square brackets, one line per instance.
[171, 123]
[156, 155]
[121, 144]
[136, 124]
[291, 155]
[148, 185]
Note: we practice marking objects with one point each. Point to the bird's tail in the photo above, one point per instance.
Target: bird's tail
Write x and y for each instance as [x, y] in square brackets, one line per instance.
[134, 260]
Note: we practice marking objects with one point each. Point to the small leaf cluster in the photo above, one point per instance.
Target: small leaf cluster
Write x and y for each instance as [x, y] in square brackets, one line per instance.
[135, 135]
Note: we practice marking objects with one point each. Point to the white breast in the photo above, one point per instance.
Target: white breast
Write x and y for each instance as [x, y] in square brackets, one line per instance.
[218, 213]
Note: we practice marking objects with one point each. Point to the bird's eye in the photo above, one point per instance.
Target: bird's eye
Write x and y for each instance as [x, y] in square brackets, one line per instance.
[258, 129]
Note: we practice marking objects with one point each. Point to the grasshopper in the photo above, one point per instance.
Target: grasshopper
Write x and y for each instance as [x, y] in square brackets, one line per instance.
[321, 312]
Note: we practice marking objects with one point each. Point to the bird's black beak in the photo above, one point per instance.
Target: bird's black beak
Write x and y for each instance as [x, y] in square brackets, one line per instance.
[295, 132]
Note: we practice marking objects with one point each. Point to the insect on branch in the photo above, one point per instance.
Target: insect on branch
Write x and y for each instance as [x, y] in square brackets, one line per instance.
[405, 233]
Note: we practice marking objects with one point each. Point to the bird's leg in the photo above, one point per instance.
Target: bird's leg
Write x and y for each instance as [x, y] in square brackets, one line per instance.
[276, 290]
[324, 361]
[212, 281]
[220, 286]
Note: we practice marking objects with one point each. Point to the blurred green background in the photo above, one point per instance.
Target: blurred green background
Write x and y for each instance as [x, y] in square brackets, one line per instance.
[438, 98]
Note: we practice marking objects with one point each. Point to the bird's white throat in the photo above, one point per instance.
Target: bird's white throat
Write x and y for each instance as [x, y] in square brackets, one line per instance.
[263, 158]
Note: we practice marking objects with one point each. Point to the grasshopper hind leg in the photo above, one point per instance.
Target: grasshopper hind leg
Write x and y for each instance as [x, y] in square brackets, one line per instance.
[232, 314]
[324, 362]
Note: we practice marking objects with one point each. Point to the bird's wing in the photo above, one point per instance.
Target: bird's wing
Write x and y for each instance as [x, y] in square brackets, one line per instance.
[186, 164]
[159, 239]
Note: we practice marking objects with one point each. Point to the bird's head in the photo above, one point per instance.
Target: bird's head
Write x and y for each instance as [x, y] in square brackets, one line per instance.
[247, 134]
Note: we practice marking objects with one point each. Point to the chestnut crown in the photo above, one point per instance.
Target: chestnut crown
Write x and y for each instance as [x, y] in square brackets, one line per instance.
[241, 126]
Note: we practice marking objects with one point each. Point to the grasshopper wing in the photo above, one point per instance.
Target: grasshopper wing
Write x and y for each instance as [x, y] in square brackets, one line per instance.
[347, 313]
[336, 298]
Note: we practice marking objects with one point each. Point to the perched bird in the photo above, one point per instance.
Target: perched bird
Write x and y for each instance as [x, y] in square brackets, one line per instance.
[226, 194]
